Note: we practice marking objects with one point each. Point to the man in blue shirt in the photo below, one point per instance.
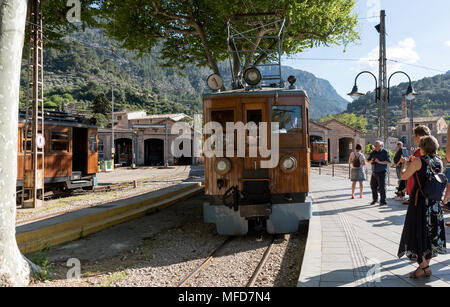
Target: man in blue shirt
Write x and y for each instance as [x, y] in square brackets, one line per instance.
[380, 160]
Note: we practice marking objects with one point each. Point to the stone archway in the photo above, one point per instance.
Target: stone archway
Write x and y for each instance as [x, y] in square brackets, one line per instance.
[124, 151]
[154, 152]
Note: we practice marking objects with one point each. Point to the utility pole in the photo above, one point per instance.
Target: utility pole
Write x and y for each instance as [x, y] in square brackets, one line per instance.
[33, 145]
[113, 147]
[382, 79]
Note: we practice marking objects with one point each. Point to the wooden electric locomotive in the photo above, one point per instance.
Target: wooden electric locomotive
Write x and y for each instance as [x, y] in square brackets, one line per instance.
[240, 190]
[70, 153]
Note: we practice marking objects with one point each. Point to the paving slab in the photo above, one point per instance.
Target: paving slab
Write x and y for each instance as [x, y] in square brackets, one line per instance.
[356, 243]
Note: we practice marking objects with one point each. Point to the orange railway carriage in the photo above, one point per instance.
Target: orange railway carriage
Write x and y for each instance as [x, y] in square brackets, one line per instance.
[70, 153]
[319, 153]
[241, 191]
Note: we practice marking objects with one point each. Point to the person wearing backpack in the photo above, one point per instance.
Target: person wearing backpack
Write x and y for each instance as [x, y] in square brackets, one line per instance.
[423, 235]
[357, 174]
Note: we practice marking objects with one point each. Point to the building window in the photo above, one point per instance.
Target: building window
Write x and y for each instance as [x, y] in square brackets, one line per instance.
[444, 139]
[404, 140]
[100, 150]
[403, 127]
[119, 117]
[430, 126]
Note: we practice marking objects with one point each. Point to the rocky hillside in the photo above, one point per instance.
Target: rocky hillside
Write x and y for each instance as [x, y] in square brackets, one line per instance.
[89, 63]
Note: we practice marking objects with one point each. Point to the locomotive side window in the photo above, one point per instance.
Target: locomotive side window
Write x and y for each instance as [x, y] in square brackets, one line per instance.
[289, 119]
[60, 141]
[26, 144]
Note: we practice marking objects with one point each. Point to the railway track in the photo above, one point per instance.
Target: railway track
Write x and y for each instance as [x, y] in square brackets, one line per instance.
[214, 254]
[101, 189]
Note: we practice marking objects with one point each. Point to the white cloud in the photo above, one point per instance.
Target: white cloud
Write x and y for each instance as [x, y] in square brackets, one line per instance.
[404, 51]
[374, 7]
[447, 43]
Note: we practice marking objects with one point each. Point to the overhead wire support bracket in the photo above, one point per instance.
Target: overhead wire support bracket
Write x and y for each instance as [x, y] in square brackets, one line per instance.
[255, 40]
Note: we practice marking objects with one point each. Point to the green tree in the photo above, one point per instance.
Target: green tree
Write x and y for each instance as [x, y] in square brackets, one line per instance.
[195, 31]
[350, 119]
[427, 113]
[101, 105]
[50, 105]
[102, 121]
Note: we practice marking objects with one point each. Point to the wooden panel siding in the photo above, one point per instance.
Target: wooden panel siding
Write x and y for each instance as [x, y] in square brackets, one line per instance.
[296, 144]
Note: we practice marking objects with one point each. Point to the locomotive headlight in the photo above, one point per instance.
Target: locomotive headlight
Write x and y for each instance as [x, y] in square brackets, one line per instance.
[288, 163]
[252, 76]
[223, 166]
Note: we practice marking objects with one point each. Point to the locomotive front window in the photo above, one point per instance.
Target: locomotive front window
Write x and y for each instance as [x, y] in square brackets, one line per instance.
[222, 117]
[254, 116]
[289, 119]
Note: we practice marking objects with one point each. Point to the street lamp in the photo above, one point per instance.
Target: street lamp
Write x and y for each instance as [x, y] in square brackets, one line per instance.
[355, 94]
[410, 94]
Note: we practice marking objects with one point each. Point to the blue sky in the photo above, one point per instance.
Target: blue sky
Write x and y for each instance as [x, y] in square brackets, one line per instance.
[418, 33]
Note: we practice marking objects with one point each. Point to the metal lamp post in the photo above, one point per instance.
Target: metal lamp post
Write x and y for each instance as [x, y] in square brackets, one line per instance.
[355, 94]
[409, 95]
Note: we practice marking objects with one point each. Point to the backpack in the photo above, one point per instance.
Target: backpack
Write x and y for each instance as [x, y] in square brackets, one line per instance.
[435, 184]
[357, 161]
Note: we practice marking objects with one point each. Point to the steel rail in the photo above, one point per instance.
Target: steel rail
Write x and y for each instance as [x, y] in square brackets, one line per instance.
[261, 264]
[204, 263]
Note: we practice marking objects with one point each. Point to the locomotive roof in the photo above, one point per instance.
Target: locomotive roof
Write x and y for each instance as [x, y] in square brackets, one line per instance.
[263, 91]
[61, 119]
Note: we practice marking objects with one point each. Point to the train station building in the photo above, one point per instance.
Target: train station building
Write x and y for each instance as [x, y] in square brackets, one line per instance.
[340, 137]
[144, 139]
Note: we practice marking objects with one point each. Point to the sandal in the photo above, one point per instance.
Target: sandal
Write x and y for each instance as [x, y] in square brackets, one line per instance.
[426, 274]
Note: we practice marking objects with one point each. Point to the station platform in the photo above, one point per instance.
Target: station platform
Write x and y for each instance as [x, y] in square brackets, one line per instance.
[354, 244]
[77, 224]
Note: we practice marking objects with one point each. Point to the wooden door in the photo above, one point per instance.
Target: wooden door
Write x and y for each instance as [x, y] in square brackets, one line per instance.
[92, 154]
[254, 110]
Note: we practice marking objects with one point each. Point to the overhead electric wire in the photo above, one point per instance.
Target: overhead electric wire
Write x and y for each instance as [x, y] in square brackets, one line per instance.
[331, 59]
[377, 16]
[288, 58]
[416, 65]
[363, 60]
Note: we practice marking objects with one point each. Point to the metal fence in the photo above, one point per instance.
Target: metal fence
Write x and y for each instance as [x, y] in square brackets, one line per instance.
[343, 171]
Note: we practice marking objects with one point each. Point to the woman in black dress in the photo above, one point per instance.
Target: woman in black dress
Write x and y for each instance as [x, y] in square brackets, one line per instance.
[423, 235]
